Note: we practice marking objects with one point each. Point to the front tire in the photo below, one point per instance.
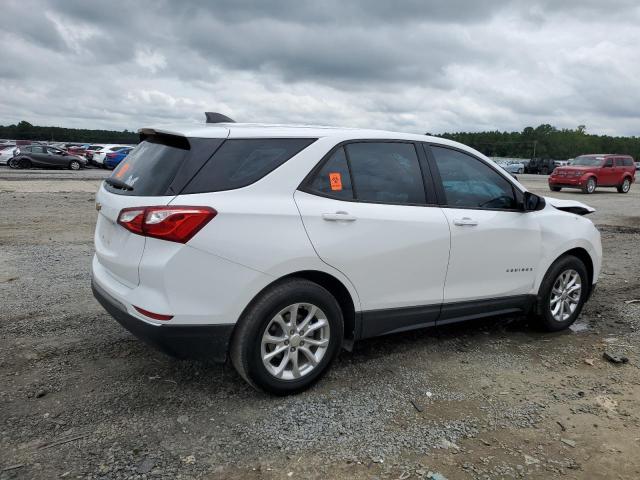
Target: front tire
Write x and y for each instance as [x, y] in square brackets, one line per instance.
[562, 294]
[520, 171]
[287, 337]
[590, 186]
[74, 165]
[555, 189]
[625, 187]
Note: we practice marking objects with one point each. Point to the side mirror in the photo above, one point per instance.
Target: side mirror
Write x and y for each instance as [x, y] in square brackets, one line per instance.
[533, 202]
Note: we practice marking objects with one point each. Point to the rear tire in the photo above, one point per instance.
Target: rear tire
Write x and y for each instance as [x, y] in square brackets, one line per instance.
[520, 171]
[558, 304]
[625, 187]
[544, 171]
[555, 189]
[266, 326]
[590, 186]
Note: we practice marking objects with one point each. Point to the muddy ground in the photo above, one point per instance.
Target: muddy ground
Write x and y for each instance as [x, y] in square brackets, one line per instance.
[82, 398]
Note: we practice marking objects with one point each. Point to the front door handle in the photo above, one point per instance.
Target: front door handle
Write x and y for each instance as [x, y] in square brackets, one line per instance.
[465, 222]
[338, 217]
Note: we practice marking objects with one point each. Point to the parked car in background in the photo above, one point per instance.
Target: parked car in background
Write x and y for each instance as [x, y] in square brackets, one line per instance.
[76, 149]
[43, 156]
[637, 165]
[513, 167]
[542, 166]
[7, 152]
[113, 159]
[100, 154]
[263, 252]
[587, 172]
[91, 149]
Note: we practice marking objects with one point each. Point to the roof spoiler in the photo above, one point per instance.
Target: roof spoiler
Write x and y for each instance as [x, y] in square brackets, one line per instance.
[215, 117]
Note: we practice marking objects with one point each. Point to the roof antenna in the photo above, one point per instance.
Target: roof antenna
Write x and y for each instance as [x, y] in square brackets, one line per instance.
[215, 117]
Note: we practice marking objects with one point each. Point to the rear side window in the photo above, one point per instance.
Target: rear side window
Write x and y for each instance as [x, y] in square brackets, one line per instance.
[386, 172]
[625, 162]
[334, 179]
[371, 172]
[470, 183]
[241, 162]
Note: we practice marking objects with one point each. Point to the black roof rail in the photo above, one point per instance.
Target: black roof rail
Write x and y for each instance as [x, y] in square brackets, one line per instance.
[215, 117]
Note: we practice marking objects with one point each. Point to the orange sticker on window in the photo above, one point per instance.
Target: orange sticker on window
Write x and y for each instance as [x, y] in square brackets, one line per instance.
[123, 170]
[335, 179]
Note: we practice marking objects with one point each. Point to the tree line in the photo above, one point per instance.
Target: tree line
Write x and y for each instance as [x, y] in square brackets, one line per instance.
[546, 141]
[25, 131]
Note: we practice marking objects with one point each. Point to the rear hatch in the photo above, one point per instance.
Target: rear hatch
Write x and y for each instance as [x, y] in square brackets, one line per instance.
[151, 175]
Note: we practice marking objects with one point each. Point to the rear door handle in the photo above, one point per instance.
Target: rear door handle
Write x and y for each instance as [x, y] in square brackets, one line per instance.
[465, 222]
[338, 217]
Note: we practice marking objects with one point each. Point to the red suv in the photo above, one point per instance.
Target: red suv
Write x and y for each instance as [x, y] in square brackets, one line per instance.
[590, 171]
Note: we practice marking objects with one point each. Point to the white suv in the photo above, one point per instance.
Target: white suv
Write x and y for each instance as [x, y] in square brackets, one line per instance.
[275, 246]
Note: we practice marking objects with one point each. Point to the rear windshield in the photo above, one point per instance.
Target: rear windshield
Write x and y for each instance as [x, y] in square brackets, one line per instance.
[168, 165]
[587, 161]
[150, 168]
[241, 162]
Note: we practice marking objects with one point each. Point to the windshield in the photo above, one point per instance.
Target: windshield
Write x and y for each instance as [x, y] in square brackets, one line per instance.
[587, 161]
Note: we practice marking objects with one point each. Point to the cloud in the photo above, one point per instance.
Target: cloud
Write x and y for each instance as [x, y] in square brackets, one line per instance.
[408, 65]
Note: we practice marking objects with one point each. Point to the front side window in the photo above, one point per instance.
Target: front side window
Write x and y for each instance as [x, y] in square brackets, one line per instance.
[37, 149]
[470, 183]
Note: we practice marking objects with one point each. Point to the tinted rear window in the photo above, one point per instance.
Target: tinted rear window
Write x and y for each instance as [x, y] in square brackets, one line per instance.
[627, 162]
[162, 164]
[241, 162]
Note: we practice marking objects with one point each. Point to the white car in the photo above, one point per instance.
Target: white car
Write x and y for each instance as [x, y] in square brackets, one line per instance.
[276, 246]
[7, 152]
[100, 154]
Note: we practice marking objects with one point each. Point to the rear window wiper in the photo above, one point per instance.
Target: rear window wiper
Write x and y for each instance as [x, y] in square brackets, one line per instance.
[114, 182]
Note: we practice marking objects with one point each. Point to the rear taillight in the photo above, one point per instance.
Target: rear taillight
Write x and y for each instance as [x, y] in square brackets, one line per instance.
[175, 224]
[111, 155]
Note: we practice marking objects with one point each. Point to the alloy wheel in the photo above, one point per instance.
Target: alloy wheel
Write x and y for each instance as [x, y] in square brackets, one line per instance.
[591, 185]
[295, 341]
[565, 295]
[626, 185]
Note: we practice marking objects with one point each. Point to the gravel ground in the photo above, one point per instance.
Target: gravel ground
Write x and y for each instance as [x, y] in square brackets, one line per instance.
[81, 398]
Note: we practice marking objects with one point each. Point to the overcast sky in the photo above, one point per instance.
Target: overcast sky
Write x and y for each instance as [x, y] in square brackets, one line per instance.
[418, 66]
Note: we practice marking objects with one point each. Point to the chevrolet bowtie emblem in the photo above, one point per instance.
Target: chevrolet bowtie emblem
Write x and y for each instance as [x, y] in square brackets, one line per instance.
[98, 206]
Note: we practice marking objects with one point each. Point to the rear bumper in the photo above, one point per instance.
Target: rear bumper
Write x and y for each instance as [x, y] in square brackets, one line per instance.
[203, 342]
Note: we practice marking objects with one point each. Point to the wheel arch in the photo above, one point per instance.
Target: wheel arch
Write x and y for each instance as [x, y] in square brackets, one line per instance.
[334, 286]
[583, 255]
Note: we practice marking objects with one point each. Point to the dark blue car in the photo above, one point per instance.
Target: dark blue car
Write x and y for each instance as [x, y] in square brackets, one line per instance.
[113, 159]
